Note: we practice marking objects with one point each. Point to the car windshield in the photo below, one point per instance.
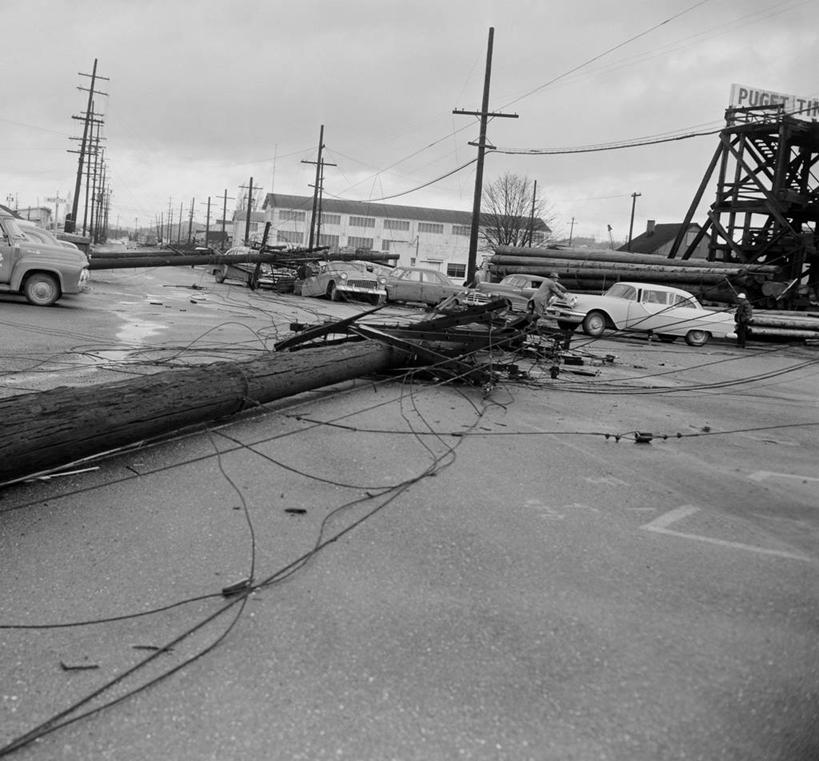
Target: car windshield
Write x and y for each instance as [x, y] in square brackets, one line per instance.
[622, 291]
[12, 229]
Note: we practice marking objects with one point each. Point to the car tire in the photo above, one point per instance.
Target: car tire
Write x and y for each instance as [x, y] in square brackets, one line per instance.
[332, 292]
[41, 289]
[594, 323]
[697, 337]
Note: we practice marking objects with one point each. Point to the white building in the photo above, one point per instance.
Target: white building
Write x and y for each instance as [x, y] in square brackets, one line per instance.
[434, 238]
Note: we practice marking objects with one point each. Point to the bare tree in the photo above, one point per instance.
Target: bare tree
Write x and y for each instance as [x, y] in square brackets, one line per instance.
[508, 216]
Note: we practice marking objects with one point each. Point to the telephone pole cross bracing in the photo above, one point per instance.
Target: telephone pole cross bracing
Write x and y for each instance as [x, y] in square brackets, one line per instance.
[484, 114]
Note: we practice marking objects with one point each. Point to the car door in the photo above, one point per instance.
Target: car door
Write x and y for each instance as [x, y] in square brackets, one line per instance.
[407, 287]
[6, 255]
[432, 291]
[649, 311]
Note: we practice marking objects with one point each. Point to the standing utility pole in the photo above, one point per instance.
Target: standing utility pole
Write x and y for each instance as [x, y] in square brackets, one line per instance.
[634, 197]
[249, 205]
[532, 216]
[225, 198]
[571, 232]
[317, 188]
[84, 145]
[190, 221]
[476, 204]
[207, 225]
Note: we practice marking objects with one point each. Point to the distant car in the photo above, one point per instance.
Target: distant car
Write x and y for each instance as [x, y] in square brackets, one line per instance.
[421, 285]
[515, 289]
[340, 280]
[659, 309]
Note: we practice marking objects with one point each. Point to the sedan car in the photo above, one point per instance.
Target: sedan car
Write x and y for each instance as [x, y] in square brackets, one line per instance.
[515, 289]
[422, 285]
[659, 309]
[340, 280]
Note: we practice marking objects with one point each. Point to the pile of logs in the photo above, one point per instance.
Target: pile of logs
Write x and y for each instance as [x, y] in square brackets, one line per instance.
[594, 270]
[781, 324]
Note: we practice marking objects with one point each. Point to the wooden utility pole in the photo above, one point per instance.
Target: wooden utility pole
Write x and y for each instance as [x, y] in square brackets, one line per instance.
[317, 188]
[84, 145]
[571, 232]
[52, 428]
[249, 189]
[190, 221]
[634, 197]
[207, 225]
[484, 114]
[225, 198]
[531, 231]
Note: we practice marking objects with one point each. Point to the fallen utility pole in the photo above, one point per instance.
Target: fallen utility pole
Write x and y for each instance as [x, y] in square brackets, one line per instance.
[50, 429]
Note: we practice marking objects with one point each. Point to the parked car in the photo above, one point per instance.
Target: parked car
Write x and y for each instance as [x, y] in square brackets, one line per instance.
[422, 285]
[515, 289]
[659, 309]
[339, 280]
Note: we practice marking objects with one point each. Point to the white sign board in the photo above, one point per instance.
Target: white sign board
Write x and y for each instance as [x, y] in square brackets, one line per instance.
[805, 108]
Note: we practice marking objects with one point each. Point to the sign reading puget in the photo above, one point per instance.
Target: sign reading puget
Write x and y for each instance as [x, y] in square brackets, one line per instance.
[794, 105]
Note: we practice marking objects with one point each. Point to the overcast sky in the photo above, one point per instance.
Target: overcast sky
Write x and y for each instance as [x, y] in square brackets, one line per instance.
[204, 95]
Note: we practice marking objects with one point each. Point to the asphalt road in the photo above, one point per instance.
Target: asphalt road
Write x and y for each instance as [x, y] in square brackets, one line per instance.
[440, 573]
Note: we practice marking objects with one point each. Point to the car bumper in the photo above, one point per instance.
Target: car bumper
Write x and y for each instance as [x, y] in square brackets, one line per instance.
[360, 290]
[565, 314]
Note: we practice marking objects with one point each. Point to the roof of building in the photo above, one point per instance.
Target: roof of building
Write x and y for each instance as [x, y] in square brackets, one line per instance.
[652, 240]
[370, 209]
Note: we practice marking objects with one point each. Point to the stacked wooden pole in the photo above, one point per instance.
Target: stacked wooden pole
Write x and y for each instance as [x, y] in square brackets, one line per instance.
[594, 270]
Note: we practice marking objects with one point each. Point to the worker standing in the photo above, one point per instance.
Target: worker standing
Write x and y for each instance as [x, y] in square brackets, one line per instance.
[549, 290]
[742, 318]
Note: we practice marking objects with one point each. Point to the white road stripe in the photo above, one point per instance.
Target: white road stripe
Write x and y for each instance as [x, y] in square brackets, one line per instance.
[660, 526]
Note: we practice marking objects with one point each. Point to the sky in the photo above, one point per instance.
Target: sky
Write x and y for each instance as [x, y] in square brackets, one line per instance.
[202, 96]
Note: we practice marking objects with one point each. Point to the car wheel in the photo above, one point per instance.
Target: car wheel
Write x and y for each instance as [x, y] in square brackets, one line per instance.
[594, 323]
[665, 338]
[697, 337]
[41, 289]
[332, 292]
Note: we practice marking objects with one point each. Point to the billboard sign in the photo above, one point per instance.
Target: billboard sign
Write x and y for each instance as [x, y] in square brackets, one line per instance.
[794, 105]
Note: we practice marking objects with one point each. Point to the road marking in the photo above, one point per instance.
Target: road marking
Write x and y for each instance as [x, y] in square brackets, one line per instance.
[761, 475]
[660, 526]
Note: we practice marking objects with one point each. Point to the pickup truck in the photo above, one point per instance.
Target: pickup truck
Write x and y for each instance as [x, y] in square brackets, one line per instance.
[39, 271]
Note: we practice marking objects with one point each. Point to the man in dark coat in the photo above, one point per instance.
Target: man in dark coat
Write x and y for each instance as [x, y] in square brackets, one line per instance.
[742, 317]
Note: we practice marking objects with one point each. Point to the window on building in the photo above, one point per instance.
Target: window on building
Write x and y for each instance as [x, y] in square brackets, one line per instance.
[396, 224]
[328, 240]
[362, 221]
[355, 242]
[331, 219]
[289, 236]
[288, 215]
[430, 227]
[456, 270]
[461, 230]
